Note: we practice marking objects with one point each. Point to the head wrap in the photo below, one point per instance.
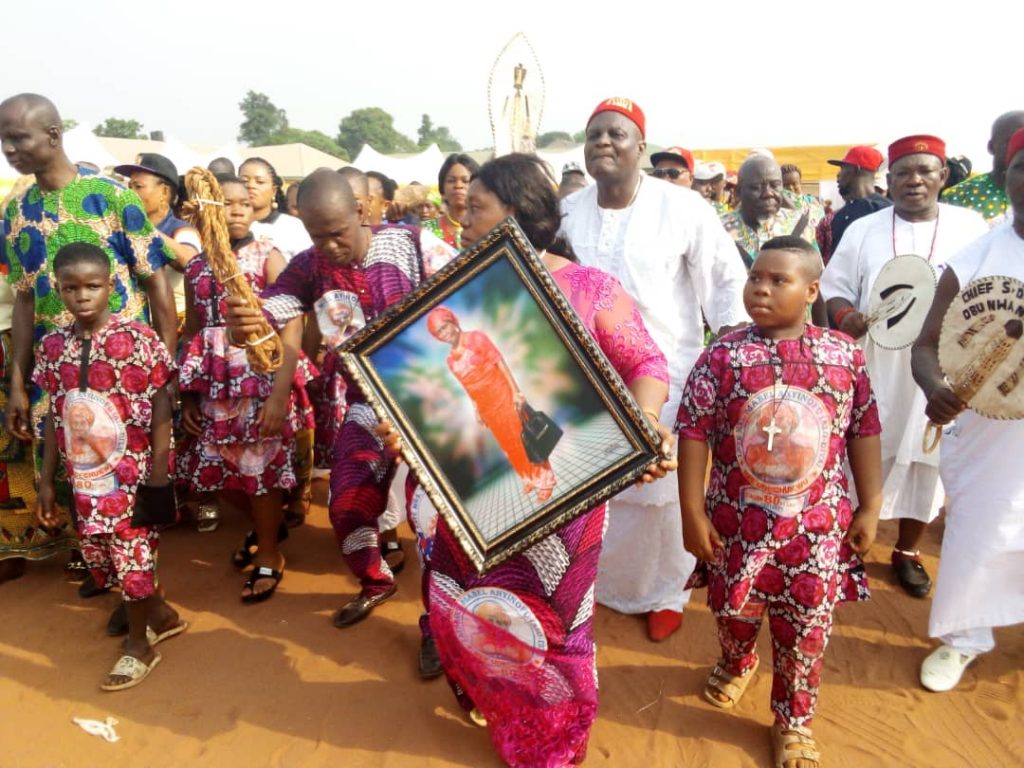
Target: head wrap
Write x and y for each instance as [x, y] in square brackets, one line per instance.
[915, 145]
[624, 107]
[438, 317]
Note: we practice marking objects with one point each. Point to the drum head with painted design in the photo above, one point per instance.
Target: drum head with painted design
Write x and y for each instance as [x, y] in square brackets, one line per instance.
[900, 299]
[981, 346]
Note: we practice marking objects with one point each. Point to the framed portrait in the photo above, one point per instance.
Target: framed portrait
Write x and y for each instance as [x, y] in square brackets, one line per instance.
[511, 417]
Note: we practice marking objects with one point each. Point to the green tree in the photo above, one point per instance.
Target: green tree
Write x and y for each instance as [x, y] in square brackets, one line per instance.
[549, 138]
[579, 137]
[69, 124]
[373, 126]
[262, 119]
[440, 135]
[120, 129]
[314, 139]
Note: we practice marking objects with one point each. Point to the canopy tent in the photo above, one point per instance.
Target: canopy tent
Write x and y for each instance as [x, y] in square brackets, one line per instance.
[292, 162]
[82, 145]
[811, 160]
[422, 166]
[557, 159]
[295, 161]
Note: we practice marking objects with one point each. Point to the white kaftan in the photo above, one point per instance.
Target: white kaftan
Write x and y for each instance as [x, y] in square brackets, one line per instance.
[910, 476]
[673, 257]
[981, 570]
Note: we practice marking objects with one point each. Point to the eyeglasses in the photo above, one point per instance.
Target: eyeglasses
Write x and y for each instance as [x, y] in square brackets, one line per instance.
[668, 173]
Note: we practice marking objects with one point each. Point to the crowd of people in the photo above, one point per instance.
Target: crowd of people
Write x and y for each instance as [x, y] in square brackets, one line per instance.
[171, 352]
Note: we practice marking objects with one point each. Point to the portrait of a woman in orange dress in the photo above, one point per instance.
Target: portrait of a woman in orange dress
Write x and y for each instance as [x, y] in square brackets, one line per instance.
[484, 374]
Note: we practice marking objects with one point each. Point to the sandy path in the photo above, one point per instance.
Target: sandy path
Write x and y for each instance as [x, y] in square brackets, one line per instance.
[276, 685]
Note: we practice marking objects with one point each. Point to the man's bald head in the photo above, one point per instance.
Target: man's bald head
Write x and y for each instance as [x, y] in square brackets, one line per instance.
[759, 166]
[760, 189]
[358, 180]
[31, 136]
[360, 184]
[1002, 129]
[330, 215]
[325, 189]
[36, 110]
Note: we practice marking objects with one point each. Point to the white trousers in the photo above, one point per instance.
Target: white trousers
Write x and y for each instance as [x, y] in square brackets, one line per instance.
[973, 640]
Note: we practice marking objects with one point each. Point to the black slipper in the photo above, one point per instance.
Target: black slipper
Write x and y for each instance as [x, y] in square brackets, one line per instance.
[263, 572]
[246, 553]
[89, 588]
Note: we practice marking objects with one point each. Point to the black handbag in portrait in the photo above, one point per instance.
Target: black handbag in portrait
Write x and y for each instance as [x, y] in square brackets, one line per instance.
[154, 506]
[540, 434]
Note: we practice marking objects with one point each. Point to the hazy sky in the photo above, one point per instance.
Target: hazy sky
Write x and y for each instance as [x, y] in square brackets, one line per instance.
[707, 74]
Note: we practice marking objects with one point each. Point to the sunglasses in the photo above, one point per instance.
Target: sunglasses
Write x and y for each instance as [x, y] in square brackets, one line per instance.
[667, 173]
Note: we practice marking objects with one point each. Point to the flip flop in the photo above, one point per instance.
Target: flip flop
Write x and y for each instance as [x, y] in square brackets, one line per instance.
[155, 638]
[135, 670]
[263, 572]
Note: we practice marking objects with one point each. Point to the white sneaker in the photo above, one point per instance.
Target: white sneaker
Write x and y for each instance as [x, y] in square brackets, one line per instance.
[944, 667]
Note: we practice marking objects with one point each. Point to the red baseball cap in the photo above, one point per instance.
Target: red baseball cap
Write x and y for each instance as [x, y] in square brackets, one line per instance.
[674, 153]
[1016, 144]
[915, 145]
[861, 156]
[623, 107]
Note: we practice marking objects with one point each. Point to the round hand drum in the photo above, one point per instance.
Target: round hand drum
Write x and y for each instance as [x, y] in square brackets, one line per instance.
[981, 350]
[900, 299]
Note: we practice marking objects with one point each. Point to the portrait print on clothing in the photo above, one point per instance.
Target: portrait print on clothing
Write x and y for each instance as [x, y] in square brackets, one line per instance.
[338, 315]
[95, 441]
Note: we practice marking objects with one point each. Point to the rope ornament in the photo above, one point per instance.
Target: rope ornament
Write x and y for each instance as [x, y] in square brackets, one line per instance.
[204, 209]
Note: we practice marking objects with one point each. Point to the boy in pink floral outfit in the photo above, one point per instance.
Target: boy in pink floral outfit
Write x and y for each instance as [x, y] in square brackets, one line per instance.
[781, 404]
[110, 424]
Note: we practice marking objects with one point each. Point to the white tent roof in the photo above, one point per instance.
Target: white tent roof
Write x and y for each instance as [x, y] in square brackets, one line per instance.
[292, 161]
[82, 145]
[421, 167]
[557, 159]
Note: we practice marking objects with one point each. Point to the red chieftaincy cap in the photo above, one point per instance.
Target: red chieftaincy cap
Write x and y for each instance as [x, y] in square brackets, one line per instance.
[1016, 144]
[916, 145]
[863, 156]
[623, 107]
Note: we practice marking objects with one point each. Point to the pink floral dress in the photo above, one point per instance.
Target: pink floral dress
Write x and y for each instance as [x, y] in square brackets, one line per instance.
[777, 416]
[540, 704]
[101, 393]
[230, 454]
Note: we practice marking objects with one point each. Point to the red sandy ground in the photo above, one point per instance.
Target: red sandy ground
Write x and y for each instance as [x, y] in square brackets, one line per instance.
[276, 685]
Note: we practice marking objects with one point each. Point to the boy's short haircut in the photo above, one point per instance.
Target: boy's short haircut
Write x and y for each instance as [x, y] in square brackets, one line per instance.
[809, 256]
[81, 253]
